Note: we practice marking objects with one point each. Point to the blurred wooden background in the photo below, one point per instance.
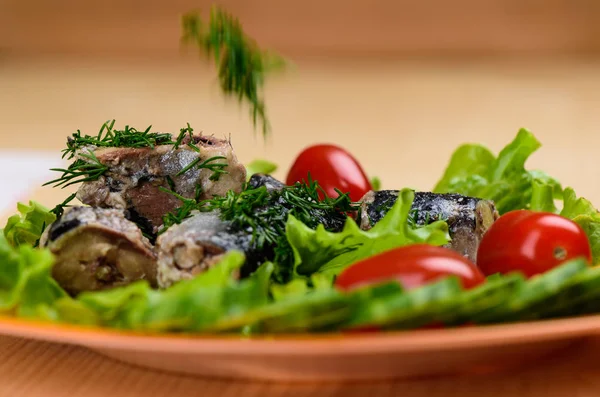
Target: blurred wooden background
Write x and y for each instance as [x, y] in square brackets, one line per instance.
[399, 83]
[310, 26]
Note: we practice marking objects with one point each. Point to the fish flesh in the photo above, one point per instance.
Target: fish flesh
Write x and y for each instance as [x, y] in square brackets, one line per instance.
[258, 180]
[468, 218]
[135, 177]
[195, 245]
[98, 248]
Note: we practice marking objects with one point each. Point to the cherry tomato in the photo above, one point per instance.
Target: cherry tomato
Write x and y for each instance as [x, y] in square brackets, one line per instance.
[333, 167]
[413, 266]
[531, 242]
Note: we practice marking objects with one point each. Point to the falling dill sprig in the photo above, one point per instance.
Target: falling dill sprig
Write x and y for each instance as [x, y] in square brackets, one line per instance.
[241, 64]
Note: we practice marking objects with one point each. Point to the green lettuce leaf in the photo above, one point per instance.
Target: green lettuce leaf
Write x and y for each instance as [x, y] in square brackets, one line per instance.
[586, 215]
[474, 171]
[376, 183]
[190, 305]
[327, 252]
[259, 166]
[26, 282]
[577, 209]
[27, 226]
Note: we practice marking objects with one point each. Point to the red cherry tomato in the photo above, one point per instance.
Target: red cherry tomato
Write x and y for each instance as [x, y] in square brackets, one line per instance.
[531, 242]
[413, 266]
[333, 167]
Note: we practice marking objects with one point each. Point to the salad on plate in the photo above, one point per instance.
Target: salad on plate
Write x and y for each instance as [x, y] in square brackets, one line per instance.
[169, 232]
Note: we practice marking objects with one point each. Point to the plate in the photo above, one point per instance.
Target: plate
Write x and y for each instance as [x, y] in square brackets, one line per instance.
[335, 357]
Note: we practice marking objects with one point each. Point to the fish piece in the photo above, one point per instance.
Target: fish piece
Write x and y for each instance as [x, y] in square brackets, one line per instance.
[98, 248]
[135, 176]
[194, 245]
[198, 242]
[258, 180]
[468, 218]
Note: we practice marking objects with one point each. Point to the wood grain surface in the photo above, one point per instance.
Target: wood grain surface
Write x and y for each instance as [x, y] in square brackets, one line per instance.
[308, 27]
[31, 369]
[401, 118]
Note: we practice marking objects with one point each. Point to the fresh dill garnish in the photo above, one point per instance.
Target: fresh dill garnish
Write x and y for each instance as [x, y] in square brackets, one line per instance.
[241, 64]
[179, 214]
[170, 182]
[198, 192]
[108, 136]
[264, 214]
[182, 134]
[416, 218]
[88, 168]
[60, 208]
[210, 164]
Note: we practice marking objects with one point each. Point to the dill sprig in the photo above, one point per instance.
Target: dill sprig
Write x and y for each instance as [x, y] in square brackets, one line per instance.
[181, 213]
[108, 136]
[264, 214]
[60, 208]
[210, 164]
[241, 64]
[86, 169]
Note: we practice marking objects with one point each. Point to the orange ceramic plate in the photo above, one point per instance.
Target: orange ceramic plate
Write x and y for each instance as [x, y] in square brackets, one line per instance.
[324, 357]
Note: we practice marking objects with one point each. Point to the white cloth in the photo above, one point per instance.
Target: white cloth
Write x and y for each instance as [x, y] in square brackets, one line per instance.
[22, 171]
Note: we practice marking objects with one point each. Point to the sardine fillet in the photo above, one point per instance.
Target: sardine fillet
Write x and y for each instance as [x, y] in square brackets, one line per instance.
[135, 176]
[468, 218]
[97, 249]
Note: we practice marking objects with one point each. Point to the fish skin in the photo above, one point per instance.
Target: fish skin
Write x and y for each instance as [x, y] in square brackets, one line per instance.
[97, 248]
[468, 218]
[135, 176]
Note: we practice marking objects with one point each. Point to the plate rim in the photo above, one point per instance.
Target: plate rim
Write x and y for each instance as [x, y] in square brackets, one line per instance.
[303, 344]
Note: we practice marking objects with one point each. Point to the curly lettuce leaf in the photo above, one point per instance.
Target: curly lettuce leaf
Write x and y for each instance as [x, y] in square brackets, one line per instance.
[474, 171]
[190, 305]
[27, 226]
[327, 252]
[26, 282]
[577, 209]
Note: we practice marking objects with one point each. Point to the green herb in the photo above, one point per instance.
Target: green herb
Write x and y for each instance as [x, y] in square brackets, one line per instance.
[108, 136]
[182, 133]
[177, 216]
[60, 208]
[82, 170]
[241, 64]
[265, 213]
[210, 164]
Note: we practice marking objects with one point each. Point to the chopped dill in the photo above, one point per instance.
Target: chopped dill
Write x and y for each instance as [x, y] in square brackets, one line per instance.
[108, 136]
[186, 131]
[241, 64]
[210, 164]
[88, 168]
[179, 214]
[264, 214]
[60, 208]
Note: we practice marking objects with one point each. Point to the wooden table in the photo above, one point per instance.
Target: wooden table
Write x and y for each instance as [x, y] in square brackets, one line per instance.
[29, 369]
[401, 118]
